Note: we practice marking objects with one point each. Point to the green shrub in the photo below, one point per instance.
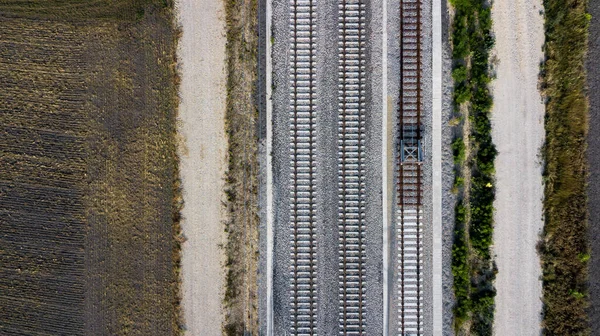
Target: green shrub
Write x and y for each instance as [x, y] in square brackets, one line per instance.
[460, 269]
[460, 41]
[486, 154]
[459, 182]
[482, 127]
[482, 99]
[583, 257]
[462, 93]
[458, 150]
[459, 74]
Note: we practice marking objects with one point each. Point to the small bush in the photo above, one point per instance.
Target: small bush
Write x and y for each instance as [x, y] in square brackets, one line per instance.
[459, 74]
[460, 269]
[584, 257]
[462, 94]
[459, 182]
[458, 150]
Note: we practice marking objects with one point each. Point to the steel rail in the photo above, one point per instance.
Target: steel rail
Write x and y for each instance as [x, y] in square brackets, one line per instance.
[351, 221]
[303, 292]
[409, 183]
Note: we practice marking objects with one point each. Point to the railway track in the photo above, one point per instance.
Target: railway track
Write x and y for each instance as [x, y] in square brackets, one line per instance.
[351, 174]
[409, 186]
[303, 272]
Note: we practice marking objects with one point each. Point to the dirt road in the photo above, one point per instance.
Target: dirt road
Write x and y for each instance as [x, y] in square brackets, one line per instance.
[518, 132]
[203, 162]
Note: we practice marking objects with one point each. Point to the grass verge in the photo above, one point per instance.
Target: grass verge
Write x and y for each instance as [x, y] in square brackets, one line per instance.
[565, 246]
[241, 299]
[474, 153]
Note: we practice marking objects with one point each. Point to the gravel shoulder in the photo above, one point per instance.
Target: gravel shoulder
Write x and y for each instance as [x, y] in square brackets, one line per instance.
[203, 154]
[448, 198]
[593, 155]
[518, 133]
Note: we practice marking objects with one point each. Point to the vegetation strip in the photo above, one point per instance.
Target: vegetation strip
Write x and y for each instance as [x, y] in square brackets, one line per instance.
[474, 154]
[565, 246]
[241, 300]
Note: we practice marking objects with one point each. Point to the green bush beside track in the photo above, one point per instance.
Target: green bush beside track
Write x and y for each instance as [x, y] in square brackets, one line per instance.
[472, 265]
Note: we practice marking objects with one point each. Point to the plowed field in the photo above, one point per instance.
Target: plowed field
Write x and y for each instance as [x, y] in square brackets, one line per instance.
[88, 171]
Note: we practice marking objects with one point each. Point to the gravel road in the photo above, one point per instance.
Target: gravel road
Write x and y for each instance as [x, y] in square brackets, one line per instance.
[203, 154]
[518, 132]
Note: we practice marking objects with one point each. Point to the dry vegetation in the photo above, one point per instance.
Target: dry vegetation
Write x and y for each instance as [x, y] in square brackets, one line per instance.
[565, 246]
[241, 300]
[89, 199]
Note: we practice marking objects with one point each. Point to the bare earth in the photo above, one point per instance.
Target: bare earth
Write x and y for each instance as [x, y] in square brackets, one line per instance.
[518, 132]
[203, 162]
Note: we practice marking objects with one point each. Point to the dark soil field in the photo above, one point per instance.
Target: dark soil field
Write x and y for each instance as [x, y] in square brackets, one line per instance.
[593, 69]
[89, 196]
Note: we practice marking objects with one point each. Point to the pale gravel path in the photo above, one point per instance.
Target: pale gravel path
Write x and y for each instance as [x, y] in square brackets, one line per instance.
[203, 155]
[518, 132]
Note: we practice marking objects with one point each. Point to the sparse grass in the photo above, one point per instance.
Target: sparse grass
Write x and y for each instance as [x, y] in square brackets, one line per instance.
[565, 246]
[88, 138]
[241, 297]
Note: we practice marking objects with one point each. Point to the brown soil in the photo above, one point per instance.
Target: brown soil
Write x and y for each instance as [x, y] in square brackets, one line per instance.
[42, 172]
[88, 187]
